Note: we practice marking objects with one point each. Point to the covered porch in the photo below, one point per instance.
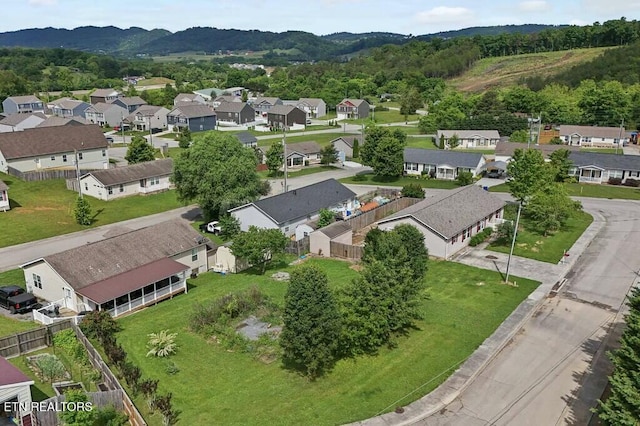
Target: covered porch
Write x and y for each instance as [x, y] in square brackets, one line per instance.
[591, 174]
[446, 172]
[136, 289]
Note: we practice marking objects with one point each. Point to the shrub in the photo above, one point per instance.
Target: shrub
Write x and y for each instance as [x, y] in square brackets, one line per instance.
[464, 178]
[230, 306]
[480, 237]
[99, 325]
[162, 344]
[67, 341]
[413, 190]
[615, 181]
[360, 178]
[632, 182]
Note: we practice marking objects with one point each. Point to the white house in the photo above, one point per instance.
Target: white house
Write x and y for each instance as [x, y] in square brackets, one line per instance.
[54, 148]
[141, 178]
[21, 121]
[303, 153]
[105, 114]
[314, 107]
[293, 208]
[594, 167]
[148, 117]
[449, 220]
[122, 273]
[4, 197]
[593, 136]
[483, 139]
[441, 164]
[15, 395]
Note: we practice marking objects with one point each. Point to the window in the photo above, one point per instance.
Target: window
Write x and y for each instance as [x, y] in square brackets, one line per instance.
[110, 190]
[286, 229]
[154, 181]
[121, 188]
[634, 174]
[37, 281]
[478, 227]
[454, 240]
[53, 158]
[411, 166]
[64, 158]
[104, 152]
[194, 254]
[86, 186]
[615, 174]
[79, 156]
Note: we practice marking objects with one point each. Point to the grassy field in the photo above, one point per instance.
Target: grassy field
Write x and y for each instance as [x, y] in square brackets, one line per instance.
[591, 191]
[508, 70]
[603, 150]
[421, 142]
[371, 179]
[45, 209]
[154, 81]
[464, 306]
[546, 249]
[384, 117]
[304, 171]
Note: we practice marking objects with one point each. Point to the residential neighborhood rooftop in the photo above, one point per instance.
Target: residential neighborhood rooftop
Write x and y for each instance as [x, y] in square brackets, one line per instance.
[131, 100]
[103, 107]
[282, 109]
[192, 111]
[17, 118]
[27, 99]
[348, 140]
[231, 107]
[134, 172]
[103, 93]
[507, 149]
[441, 156]
[306, 148]
[469, 134]
[10, 375]
[605, 161]
[246, 138]
[54, 121]
[592, 131]
[336, 229]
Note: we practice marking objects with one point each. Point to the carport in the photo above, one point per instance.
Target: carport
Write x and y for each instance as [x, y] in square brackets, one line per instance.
[495, 165]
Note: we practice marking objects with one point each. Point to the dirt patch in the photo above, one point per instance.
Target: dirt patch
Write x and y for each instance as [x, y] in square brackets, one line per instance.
[356, 267]
[41, 209]
[480, 283]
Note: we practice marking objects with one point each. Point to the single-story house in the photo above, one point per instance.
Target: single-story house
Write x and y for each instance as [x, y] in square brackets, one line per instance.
[593, 136]
[141, 178]
[67, 107]
[320, 240]
[130, 103]
[20, 121]
[352, 109]
[441, 164]
[484, 139]
[449, 220]
[4, 197]
[235, 112]
[505, 150]
[247, 139]
[15, 395]
[104, 96]
[263, 105]
[208, 94]
[290, 209]
[148, 117]
[59, 121]
[186, 98]
[196, 117]
[285, 116]
[303, 153]
[105, 114]
[595, 167]
[22, 105]
[123, 273]
[344, 144]
[314, 107]
[54, 148]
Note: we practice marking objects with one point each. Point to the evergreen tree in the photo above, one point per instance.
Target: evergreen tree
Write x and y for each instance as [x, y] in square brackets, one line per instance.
[560, 165]
[312, 326]
[82, 211]
[328, 155]
[356, 148]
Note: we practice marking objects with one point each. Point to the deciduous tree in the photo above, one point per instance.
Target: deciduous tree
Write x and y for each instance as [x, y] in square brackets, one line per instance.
[384, 151]
[550, 207]
[275, 158]
[528, 172]
[560, 165]
[140, 151]
[259, 246]
[327, 217]
[82, 211]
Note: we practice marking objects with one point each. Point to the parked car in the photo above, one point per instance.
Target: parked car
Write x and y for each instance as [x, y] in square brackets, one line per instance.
[211, 227]
[15, 299]
[495, 174]
[109, 139]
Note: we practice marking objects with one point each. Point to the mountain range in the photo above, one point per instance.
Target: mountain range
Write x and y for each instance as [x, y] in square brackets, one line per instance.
[295, 45]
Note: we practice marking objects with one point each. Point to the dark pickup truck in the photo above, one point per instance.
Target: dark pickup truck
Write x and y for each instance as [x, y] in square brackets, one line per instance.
[15, 299]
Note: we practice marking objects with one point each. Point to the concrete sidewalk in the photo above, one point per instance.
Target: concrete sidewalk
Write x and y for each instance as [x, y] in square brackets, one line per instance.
[548, 275]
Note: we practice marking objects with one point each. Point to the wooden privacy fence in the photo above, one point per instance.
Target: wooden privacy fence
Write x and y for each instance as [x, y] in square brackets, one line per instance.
[29, 341]
[98, 399]
[299, 247]
[46, 174]
[365, 219]
[345, 251]
[109, 379]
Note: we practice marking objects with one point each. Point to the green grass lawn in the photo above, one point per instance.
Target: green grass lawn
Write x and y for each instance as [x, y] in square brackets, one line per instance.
[603, 150]
[421, 142]
[408, 130]
[45, 209]
[384, 117]
[9, 325]
[292, 173]
[216, 386]
[546, 249]
[591, 191]
[371, 179]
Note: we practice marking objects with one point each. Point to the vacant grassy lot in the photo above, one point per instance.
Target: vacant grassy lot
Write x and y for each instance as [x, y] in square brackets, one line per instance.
[591, 190]
[292, 173]
[371, 179]
[384, 117]
[425, 142]
[216, 386]
[536, 246]
[603, 150]
[45, 209]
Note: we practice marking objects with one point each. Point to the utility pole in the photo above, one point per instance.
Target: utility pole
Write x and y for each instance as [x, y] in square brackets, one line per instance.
[284, 154]
[539, 129]
[620, 135]
[513, 243]
[75, 154]
[530, 131]
[122, 128]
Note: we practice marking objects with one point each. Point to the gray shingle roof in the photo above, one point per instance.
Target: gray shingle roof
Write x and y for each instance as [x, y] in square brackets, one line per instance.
[606, 161]
[336, 229]
[268, 100]
[17, 118]
[507, 149]
[134, 172]
[355, 102]
[592, 131]
[305, 201]
[3, 186]
[283, 109]
[103, 93]
[449, 213]
[54, 121]
[231, 107]
[28, 99]
[246, 138]
[348, 140]
[51, 140]
[468, 134]
[192, 111]
[102, 107]
[97, 261]
[440, 156]
[133, 100]
[314, 102]
[306, 148]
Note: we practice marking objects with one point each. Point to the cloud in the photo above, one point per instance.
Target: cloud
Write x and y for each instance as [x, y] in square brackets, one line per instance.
[444, 15]
[534, 6]
[611, 6]
[42, 2]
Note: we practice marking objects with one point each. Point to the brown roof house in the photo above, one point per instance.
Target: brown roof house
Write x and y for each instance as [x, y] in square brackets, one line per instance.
[4, 197]
[285, 116]
[448, 220]
[123, 273]
[21, 121]
[321, 239]
[54, 148]
[303, 153]
[104, 96]
[593, 136]
[141, 178]
[15, 395]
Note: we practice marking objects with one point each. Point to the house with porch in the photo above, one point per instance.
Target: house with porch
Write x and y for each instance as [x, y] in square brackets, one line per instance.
[141, 178]
[482, 139]
[263, 105]
[289, 210]
[235, 113]
[54, 148]
[123, 273]
[441, 164]
[593, 136]
[105, 114]
[354, 109]
[285, 116]
[67, 108]
[595, 167]
[505, 150]
[130, 103]
[147, 117]
[196, 117]
[103, 96]
[4, 197]
[303, 153]
[449, 219]
[20, 121]
[22, 105]
[314, 107]
[15, 395]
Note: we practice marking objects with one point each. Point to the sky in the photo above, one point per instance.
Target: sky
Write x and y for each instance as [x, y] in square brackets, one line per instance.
[320, 17]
